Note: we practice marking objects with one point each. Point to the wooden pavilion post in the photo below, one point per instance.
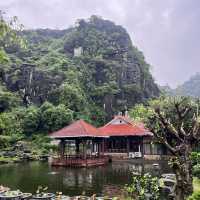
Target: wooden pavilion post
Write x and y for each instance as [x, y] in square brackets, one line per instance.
[93, 149]
[84, 149]
[142, 147]
[77, 142]
[62, 148]
[98, 149]
[103, 146]
[128, 145]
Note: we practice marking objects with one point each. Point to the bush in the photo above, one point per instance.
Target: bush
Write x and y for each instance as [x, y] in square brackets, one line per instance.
[195, 196]
[9, 140]
[8, 100]
[195, 157]
[142, 185]
[11, 123]
[196, 170]
[42, 145]
[4, 141]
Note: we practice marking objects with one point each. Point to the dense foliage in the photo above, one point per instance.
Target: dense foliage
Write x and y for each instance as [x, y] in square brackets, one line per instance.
[89, 71]
[195, 157]
[9, 35]
[25, 121]
[143, 187]
[141, 112]
[195, 196]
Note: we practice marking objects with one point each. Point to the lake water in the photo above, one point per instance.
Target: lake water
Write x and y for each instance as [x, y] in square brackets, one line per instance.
[27, 176]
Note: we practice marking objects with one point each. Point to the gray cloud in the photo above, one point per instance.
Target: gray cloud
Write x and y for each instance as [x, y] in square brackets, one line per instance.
[166, 31]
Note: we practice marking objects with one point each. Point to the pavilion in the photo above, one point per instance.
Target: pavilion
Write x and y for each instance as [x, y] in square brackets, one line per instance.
[121, 137]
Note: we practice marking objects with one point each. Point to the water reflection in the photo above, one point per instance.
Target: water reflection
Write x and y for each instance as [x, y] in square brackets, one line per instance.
[70, 181]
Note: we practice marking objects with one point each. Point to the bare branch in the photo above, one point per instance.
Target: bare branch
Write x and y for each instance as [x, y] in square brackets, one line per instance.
[176, 105]
[182, 113]
[195, 129]
[166, 124]
[173, 150]
[185, 111]
[181, 129]
[164, 141]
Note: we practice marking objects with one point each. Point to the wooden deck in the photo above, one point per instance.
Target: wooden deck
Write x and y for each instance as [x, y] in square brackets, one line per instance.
[80, 161]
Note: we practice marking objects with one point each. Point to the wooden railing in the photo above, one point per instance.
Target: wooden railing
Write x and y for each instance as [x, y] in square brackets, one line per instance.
[80, 160]
[83, 157]
[116, 150]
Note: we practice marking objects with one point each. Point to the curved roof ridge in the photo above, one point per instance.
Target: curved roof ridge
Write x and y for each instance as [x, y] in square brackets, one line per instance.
[78, 128]
[130, 128]
[125, 118]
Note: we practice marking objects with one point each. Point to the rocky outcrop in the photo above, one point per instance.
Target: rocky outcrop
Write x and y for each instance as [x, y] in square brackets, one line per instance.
[33, 85]
[112, 73]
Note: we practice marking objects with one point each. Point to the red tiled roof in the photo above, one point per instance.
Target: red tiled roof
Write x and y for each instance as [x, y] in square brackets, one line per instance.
[125, 129]
[79, 128]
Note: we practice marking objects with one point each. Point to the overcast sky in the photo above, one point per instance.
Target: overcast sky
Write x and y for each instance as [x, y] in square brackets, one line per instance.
[167, 31]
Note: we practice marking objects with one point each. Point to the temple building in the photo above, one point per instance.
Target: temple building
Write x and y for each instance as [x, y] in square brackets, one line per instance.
[121, 138]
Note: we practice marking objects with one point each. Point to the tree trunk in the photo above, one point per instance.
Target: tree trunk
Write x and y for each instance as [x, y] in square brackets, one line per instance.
[183, 172]
[179, 194]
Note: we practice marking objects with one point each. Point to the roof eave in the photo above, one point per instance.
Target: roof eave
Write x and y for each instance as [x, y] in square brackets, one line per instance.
[78, 136]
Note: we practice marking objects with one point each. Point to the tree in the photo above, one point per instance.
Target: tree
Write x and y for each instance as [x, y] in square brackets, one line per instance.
[11, 129]
[31, 120]
[140, 112]
[175, 122]
[8, 100]
[9, 35]
[10, 123]
[73, 97]
[55, 117]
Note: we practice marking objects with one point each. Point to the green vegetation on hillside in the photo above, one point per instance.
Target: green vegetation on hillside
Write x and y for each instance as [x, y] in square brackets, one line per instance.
[90, 71]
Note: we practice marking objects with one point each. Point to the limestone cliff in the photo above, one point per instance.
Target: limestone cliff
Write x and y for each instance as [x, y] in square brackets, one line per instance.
[95, 59]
